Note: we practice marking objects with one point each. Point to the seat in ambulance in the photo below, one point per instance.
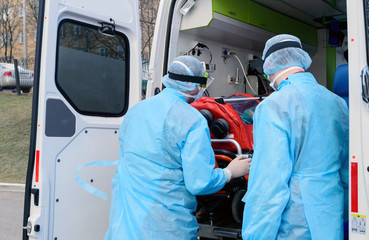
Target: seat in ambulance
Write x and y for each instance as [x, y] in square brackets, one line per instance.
[341, 84]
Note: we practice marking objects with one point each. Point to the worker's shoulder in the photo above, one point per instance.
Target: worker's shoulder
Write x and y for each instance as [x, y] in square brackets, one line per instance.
[269, 105]
[331, 94]
[321, 93]
[184, 116]
[282, 100]
[187, 109]
[279, 97]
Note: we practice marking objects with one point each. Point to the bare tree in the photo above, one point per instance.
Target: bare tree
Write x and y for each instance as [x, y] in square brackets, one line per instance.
[9, 23]
[32, 11]
[149, 9]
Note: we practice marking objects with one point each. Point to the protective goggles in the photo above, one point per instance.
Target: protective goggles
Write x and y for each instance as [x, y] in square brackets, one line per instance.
[204, 81]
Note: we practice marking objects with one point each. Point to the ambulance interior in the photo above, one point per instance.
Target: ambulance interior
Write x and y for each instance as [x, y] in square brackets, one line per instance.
[227, 36]
[213, 29]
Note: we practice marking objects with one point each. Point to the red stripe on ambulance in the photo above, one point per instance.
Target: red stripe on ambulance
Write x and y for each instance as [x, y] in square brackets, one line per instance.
[354, 187]
[37, 165]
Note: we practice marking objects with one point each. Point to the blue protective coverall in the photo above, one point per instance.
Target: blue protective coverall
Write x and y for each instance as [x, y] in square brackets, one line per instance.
[166, 159]
[299, 171]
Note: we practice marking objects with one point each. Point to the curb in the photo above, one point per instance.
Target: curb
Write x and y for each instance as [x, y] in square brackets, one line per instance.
[12, 187]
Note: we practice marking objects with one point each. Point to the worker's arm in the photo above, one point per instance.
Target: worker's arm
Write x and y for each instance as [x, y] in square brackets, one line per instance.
[268, 187]
[344, 171]
[198, 162]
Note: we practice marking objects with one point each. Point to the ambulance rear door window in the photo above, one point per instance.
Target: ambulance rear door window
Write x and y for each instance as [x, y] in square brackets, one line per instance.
[92, 70]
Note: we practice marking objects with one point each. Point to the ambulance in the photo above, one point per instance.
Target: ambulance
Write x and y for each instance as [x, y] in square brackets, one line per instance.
[88, 73]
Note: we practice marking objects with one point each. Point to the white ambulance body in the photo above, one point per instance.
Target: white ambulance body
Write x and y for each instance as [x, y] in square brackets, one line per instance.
[88, 74]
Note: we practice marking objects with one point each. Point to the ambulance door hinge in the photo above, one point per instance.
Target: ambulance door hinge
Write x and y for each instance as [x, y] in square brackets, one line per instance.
[107, 28]
[35, 193]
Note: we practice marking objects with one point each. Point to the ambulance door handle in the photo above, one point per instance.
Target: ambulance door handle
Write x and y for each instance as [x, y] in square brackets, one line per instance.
[365, 84]
[157, 91]
[35, 193]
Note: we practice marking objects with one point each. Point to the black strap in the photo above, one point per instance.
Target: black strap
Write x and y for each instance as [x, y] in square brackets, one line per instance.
[281, 45]
[220, 100]
[186, 78]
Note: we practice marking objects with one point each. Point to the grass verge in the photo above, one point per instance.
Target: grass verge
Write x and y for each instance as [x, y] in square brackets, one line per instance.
[15, 125]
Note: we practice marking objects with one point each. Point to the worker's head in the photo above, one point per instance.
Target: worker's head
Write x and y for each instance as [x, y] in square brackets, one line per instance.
[284, 51]
[185, 75]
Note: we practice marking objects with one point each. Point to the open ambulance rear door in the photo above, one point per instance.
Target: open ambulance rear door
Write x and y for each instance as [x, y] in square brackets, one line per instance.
[358, 39]
[87, 75]
[167, 27]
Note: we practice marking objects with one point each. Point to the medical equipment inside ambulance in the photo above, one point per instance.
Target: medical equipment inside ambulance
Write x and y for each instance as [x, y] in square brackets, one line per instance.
[230, 123]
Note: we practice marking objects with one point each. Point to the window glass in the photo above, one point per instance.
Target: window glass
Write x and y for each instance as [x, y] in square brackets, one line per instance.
[92, 69]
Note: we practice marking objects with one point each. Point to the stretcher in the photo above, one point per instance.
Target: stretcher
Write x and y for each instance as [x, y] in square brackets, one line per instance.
[230, 122]
[229, 118]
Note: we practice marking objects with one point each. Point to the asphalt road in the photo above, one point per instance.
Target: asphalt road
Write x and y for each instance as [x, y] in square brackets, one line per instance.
[11, 214]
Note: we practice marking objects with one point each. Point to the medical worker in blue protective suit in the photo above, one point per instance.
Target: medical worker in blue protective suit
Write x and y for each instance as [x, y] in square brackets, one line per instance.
[299, 170]
[165, 160]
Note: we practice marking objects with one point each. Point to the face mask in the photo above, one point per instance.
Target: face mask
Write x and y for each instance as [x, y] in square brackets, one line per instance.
[195, 97]
[199, 94]
[280, 74]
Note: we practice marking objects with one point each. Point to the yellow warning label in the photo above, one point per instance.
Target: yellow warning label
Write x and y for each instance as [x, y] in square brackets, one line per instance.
[358, 216]
[358, 224]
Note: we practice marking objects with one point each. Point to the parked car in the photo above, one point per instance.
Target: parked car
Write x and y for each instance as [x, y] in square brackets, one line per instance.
[7, 77]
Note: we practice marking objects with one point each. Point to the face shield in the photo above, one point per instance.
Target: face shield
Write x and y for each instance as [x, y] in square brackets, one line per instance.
[208, 81]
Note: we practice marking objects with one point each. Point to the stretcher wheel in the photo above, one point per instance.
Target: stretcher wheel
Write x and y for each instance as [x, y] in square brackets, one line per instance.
[238, 205]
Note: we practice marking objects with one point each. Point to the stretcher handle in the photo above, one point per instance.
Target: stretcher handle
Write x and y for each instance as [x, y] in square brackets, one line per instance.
[238, 146]
[243, 99]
